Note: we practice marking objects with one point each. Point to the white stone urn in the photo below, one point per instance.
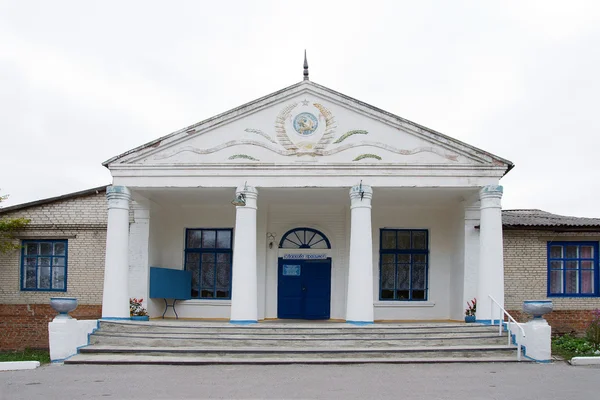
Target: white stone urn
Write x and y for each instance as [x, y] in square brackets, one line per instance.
[64, 305]
[537, 308]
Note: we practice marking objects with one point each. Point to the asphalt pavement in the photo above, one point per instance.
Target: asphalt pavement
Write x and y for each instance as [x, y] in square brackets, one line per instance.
[374, 381]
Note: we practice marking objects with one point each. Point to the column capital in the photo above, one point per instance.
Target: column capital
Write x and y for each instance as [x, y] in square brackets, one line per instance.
[118, 197]
[494, 191]
[249, 193]
[360, 196]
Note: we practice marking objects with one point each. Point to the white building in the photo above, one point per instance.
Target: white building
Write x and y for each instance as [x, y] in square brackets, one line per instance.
[343, 212]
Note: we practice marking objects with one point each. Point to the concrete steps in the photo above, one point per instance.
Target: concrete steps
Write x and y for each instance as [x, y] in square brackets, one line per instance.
[175, 342]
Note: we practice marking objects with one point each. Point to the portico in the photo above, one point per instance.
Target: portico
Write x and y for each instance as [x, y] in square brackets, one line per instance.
[407, 221]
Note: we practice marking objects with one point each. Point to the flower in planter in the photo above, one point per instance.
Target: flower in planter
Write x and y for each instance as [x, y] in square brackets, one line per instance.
[135, 307]
[472, 308]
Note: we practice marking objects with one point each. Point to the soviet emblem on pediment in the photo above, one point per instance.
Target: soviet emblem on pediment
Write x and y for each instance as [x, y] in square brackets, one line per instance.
[307, 129]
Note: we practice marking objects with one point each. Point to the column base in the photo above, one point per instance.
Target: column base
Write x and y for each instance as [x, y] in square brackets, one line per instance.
[360, 322]
[243, 322]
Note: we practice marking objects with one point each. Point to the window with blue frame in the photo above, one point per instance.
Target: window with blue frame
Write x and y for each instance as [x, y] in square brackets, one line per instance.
[573, 269]
[44, 265]
[403, 264]
[208, 256]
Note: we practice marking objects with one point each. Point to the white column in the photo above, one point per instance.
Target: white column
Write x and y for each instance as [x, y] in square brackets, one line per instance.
[491, 262]
[139, 236]
[359, 306]
[115, 296]
[244, 298]
[471, 255]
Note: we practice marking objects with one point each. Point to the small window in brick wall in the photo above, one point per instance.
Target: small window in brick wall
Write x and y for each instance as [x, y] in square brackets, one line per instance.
[573, 269]
[44, 265]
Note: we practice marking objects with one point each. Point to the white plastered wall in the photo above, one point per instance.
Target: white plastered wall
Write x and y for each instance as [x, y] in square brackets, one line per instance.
[447, 263]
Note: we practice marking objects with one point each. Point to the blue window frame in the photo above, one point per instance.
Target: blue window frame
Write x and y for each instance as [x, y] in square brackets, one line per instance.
[208, 256]
[44, 265]
[403, 264]
[573, 269]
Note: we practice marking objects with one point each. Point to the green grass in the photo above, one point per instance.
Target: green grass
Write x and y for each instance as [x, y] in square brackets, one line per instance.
[568, 347]
[43, 356]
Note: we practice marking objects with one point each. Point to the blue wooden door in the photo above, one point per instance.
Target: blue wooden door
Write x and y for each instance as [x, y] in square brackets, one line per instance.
[304, 290]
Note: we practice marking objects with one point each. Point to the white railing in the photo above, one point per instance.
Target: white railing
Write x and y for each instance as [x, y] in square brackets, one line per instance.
[510, 319]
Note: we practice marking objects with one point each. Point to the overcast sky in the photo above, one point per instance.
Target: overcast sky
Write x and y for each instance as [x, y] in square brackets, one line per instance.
[83, 81]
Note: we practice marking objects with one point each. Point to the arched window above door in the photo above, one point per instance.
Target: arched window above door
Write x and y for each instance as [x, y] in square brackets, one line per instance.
[304, 238]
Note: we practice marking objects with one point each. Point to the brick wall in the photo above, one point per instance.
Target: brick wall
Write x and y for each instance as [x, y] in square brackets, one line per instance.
[24, 315]
[26, 325]
[525, 278]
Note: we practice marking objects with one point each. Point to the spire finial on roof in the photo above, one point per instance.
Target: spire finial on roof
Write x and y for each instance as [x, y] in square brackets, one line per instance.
[305, 67]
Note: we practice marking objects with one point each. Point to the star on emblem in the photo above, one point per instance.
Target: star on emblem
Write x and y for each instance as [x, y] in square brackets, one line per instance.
[305, 102]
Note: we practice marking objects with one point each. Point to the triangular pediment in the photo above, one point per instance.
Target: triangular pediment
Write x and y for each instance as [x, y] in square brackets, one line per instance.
[303, 123]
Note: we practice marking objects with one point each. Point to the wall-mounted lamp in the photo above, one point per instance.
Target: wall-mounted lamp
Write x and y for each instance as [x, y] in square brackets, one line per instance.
[239, 200]
[271, 237]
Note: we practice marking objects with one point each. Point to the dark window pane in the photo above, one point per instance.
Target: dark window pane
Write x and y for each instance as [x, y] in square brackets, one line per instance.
[388, 239]
[223, 276]
[587, 265]
[572, 264]
[556, 251]
[388, 275]
[403, 281]
[46, 249]
[207, 294]
[419, 240]
[402, 294]
[44, 261]
[388, 259]
[194, 239]
[223, 294]
[587, 282]
[44, 278]
[207, 275]
[387, 294]
[30, 261]
[418, 295]
[290, 244]
[404, 258]
[556, 283]
[60, 249]
[223, 239]
[58, 261]
[58, 278]
[556, 264]
[420, 258]
[208, 258]
[31, 248]
[319, 245]
[572, 284]
[403, 240]
[209, 239]
[572, 251]
[586, 252]
[418, 276]
[29, 282]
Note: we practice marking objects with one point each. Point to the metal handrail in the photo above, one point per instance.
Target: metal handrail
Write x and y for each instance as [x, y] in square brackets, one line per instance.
[501, 320]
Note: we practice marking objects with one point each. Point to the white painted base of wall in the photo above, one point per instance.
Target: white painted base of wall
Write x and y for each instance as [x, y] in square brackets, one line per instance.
[67, 335]
[18, 365]
[585, 361]
[537, 340]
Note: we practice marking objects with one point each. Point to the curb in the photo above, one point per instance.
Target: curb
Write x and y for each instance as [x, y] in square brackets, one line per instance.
[585, 361]
[18, 365]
